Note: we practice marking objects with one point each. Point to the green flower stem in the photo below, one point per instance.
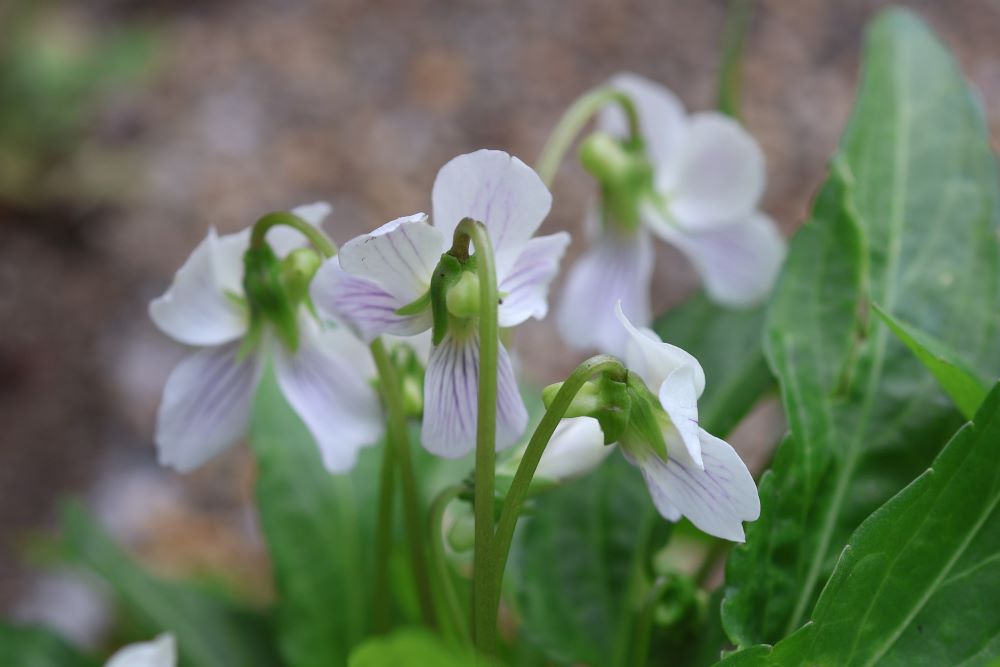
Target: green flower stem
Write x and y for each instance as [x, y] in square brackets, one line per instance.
[320, 240]
[644, 623]
[730, 69]
[439, 562]
[399, 442]
[573, 122]
[383, 541]
[484, 572]
[521, 483]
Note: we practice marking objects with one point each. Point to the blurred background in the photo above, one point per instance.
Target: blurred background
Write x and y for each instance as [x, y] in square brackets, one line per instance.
[127, 127]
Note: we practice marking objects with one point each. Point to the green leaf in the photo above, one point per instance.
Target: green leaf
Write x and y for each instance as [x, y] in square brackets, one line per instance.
[918, 581]
[37, 647]
[210, 631]
[408, 648]
[906, 219]
[574, 569]
[729, 345]
[318, 528]
[955, 376]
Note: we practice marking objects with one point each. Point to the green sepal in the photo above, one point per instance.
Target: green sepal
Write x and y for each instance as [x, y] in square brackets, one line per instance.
[297, 271]
[645, 423]
[446, 274]
[267, 294]
[603, 398]
[624, 173]
[416, 306]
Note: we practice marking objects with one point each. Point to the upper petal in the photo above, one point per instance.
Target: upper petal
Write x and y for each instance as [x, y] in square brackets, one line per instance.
[399, 256]
[576, 447]
[196, 310]
[205, 406]
[451, 389]
[718, 175]
[283, 239]
[496, 189]
[362, 304]
[655, 360]
[739, 262]
[525, 287]
[717, 499]
[161, 652]
[614, 269]
[327, 381]
[661, 115]
[679, 398]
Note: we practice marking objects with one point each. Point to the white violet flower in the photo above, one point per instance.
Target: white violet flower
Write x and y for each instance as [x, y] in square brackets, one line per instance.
[377, 274]
[160, 652]
[708, 176]
[702, 478]
[207, 400]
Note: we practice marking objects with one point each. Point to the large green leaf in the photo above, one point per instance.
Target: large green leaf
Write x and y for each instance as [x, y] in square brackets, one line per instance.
[729, 345]
[409, 648]
[319, 533]
[37, 647]
[573, 569]
[918, 581]
[210, 631]
[906, 219]
[955, 376]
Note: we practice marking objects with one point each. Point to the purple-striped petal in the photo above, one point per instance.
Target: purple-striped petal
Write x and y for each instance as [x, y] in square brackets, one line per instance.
[196, 310]
[362, 304]
[614, 269]
[525, 288]
[328, 383]
[451, 388]
[399, 256]
[205, 406]
[717, 499]
[496, 189]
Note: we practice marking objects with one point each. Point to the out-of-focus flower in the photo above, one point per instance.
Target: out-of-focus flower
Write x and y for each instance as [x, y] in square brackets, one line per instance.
[207, 399]
[380, 283]
[698, 475]
[697, 184]
[160, 652]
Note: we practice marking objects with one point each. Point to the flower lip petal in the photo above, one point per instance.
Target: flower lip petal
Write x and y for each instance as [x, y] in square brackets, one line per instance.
[496, 189]
[526, 285]
[613, 269]
[451, 390]
[205, 406]
[399, 256]
[327, 383]
[653, 359]
[195, 309]
[716, 499]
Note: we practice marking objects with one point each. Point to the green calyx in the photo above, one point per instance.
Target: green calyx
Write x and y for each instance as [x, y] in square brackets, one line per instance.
[643, 437]
[605, 399]
[624, 173]
[275, 288]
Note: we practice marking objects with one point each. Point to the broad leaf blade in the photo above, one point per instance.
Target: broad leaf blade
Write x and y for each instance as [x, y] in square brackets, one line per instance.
[918, 580]
[37, 647]
[907, 219]
[210, 631]
[729, 345]
[959, 381]
[318, 529]
[573, 564]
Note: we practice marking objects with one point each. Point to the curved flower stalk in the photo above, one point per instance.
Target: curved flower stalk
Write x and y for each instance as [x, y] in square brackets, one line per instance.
[698, 475]
[324, 372]
[382, 283]
[697, 186]
[160, 652]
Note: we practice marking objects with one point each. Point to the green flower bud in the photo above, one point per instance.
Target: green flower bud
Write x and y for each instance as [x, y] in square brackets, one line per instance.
[462, 533]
